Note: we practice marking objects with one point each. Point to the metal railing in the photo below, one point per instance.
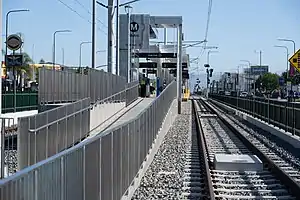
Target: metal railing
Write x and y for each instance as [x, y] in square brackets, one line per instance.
[45, 134]
[279, 113]
[8, 148]
[102, 167]
[24, 100]
[69, 86]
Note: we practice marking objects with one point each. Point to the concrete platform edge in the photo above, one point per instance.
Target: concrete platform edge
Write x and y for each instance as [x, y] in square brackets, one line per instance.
[168, 121]
[287, 137]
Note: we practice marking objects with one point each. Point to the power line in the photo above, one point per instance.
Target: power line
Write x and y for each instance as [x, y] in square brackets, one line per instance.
[207, 27]
[89, 12]
[208, 19]
[79, 15]
[70, 8]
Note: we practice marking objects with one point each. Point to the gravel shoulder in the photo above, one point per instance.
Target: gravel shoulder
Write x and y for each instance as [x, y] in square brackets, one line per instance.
[164, 177]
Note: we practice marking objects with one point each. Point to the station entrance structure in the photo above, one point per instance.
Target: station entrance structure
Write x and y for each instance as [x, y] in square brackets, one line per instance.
[136, 31]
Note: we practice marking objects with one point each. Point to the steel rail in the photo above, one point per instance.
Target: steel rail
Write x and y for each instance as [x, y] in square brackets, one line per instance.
[293, 186]
[203, 146]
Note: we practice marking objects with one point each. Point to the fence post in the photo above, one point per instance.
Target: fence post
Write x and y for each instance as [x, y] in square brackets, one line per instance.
[2, 147]
[268, 109]
[294, 121]
[286, 116]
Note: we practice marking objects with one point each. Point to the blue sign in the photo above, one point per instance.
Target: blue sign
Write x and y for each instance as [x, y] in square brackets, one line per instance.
[281, 81]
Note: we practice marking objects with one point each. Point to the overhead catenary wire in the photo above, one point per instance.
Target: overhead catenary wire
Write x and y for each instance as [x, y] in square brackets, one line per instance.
[81, 16]
[207, 28]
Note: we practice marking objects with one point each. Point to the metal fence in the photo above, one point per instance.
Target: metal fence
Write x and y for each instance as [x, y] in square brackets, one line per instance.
[8, 148]
[279, 113]
[24, 101]
[69, 86]
[45, 134]
[102, 167]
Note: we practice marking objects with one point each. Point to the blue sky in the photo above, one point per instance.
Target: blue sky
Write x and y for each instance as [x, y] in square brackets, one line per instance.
[237, 27]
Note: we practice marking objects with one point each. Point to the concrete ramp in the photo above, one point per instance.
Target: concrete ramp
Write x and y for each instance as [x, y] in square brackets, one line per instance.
[100, 113]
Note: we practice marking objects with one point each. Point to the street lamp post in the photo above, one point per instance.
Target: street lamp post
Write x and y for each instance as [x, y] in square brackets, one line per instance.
[14, 73]
[249, 70]
[6, 24]
[287, 63]
[94, 34]
[117, 37]
[15, 90]
[288, 40]
[82, 43]
[63, 56]
[287, 76]
[127, 10]
[54, 37]
[287, 58]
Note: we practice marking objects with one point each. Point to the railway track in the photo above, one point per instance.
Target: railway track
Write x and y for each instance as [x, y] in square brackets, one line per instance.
[196, 180]
[220, 134]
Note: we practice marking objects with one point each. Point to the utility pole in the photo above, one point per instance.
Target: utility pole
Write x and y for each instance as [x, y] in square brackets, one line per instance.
[109, 35]
[94, 35]
[117, 36]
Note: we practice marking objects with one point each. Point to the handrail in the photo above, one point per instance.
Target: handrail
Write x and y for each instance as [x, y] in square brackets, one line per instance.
[74, 148]
[107, 98]
[74, 113]
[58, 120]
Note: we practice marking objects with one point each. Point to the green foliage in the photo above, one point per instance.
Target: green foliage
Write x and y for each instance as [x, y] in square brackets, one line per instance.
[26, 65]
[267, 82]
[295, 79]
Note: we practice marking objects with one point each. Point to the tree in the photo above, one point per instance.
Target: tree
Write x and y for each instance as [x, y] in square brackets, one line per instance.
[26, 65]
[268, 82]
[295, 79]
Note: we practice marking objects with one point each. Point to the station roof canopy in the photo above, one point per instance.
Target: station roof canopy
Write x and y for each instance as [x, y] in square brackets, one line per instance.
[165, 21]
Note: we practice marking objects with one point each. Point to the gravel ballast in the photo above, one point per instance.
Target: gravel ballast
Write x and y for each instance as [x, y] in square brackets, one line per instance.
[164, 177]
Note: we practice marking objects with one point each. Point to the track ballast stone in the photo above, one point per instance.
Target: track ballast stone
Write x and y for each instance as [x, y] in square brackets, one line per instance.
[164, 177]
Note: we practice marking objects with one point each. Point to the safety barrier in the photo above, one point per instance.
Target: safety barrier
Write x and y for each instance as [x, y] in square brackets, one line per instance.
[279, 113]
[24, 100]
[69, 86]
[45, 134]
[8, 146]
[102, 167]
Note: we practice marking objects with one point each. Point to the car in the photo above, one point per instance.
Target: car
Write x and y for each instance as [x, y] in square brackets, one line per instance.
[244, 94]
[227, 93]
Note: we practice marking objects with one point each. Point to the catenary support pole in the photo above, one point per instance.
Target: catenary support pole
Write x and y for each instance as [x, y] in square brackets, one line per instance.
[179, 67]
[109, 35]
[117, 36]
[94, 34]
